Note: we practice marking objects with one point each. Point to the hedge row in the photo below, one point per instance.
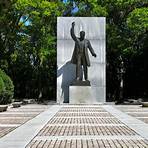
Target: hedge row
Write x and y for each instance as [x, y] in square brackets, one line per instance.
[6, 88]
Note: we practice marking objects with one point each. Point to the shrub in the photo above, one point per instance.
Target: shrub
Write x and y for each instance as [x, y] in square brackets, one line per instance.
[6, 88]
[2, 89]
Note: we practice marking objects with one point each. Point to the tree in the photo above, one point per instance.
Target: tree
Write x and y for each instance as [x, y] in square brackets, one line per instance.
[28, 43]
[31, 58]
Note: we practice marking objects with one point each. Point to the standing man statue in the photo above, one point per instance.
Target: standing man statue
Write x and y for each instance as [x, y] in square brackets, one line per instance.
[80, 55]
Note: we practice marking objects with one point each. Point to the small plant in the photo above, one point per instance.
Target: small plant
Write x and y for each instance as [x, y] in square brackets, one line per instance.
[6, 88]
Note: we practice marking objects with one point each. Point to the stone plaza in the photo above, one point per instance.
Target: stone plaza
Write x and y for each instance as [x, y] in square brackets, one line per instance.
[74, 126]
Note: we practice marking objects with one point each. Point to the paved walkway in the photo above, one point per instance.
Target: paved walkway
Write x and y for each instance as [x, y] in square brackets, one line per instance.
[81, 126]
[15, 117]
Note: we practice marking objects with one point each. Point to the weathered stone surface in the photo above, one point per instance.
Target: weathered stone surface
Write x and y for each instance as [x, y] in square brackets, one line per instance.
[81, 94]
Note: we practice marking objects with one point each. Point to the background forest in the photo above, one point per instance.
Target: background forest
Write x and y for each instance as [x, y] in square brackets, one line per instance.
[28, 44]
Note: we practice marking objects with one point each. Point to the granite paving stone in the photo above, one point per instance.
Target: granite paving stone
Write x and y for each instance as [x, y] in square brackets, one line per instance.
[81, 126]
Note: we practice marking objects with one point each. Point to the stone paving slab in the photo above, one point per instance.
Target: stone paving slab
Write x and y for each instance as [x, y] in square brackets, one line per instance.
[6, 130]
[87, 109]
[88, 120]
[140, 127]
[89, 143]
[85, 124]
[14, 121]
[90, 114]
[144, 119]
[86, 130]
[18, 114]
[83, 117]
[88, 137]
[15, 117]
[9, 125]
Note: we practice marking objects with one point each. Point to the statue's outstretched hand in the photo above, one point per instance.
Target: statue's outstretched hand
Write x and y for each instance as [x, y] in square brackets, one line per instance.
[94, 55]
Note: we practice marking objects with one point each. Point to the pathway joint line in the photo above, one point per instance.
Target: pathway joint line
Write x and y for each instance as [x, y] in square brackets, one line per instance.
[138, 126]
[83, 106]
[136, 112]
[9, 125]
[81, 117]
[89, 137]
[86, 112]
[85, 124]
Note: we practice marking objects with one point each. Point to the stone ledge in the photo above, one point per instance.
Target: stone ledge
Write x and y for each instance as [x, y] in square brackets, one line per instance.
[3, 108]
[16, 104]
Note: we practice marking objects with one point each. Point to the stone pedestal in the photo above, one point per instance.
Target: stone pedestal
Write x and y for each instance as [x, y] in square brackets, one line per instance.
[81, 95]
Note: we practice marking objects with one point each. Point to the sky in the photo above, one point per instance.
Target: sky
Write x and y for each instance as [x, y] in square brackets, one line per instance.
[27, 23]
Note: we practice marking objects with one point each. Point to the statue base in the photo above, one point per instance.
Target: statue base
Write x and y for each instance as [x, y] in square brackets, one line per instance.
[81, 95]
[80, 83]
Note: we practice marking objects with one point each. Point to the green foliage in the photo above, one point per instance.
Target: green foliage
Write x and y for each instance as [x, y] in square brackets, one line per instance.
[138, 20]
[6, 88]
[2, 87]
[28, 41]
[90, 8]
[32, 56]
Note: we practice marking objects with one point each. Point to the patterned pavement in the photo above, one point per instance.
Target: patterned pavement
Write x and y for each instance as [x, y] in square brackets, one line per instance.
[82, 126]
[74, 126]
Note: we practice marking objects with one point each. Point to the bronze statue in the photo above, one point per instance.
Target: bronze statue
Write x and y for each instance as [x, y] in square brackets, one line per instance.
[80, 55]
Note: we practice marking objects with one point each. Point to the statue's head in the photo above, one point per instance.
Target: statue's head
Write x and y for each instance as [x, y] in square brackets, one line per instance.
[82, 35]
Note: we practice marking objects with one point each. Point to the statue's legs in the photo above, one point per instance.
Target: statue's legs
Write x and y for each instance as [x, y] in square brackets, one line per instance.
[78, 67]
[85, 72]
[85, 69]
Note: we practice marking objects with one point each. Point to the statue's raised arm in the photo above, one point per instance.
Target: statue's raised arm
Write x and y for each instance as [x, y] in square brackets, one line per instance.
[72, 32]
